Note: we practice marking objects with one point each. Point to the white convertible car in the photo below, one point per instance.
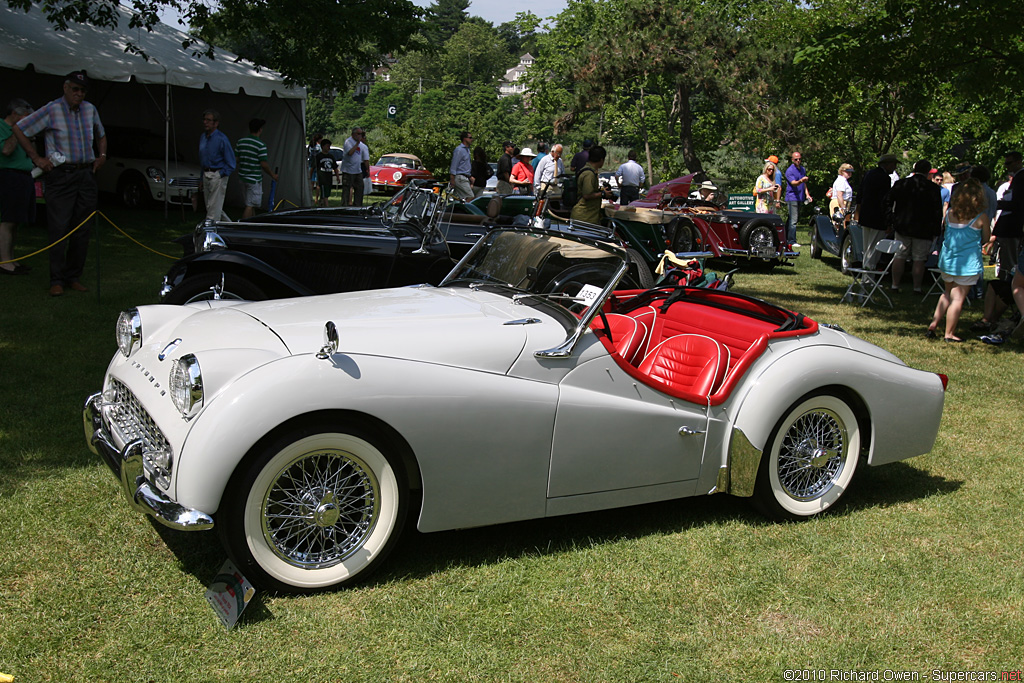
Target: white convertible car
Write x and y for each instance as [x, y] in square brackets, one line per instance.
[526, 385]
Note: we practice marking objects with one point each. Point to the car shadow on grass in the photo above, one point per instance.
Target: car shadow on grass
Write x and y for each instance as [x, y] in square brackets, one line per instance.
[423, 554]
[420, 555]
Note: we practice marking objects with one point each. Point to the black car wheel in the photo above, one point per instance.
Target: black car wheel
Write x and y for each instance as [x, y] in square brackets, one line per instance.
[846, 255]
[643, 272]
[815, 243]
[682, 236]
[759, 237]
[319, 507]
[133, 191]
[207, 286]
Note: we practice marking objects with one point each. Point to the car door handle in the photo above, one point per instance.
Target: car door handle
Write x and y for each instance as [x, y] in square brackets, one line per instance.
[686, 431]
[474, 234]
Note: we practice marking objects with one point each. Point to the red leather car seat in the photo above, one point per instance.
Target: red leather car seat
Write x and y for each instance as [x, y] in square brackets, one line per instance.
[687, 362]
[627, 334]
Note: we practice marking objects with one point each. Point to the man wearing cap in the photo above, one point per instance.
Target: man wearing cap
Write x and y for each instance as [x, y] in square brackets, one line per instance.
[460, 173]
[251, 152]
[961, 174]
[71, 127]
[580, 159]
[504, 173]
[870, 213]
[218, 162]
[778, 175]
[705, 192]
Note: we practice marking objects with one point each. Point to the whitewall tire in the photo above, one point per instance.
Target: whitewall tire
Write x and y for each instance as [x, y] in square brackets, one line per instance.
[315, 509]
[810, 459]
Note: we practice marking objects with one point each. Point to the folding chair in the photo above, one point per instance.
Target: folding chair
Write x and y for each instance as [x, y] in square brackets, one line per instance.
[932, 268]
[866, 283]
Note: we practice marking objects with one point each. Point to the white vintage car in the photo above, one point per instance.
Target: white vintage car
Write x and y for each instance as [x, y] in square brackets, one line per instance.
[523, 386]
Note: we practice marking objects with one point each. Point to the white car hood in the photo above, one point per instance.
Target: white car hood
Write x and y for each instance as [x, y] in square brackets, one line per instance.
[450, 326]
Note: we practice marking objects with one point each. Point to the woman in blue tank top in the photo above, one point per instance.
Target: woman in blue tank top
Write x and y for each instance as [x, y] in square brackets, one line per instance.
[966, 228]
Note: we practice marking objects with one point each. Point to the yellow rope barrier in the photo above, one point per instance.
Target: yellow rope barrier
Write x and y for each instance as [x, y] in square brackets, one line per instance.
[87, 218]
[286, 200]
[158, 253]
[50, 246]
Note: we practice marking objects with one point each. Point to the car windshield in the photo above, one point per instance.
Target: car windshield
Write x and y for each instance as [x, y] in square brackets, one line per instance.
[413, 205]
[538, 265]
[403, 162]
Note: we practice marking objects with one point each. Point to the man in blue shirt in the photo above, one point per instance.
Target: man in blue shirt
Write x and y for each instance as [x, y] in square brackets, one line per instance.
[461, 170]
[796, 192]
[218, 161]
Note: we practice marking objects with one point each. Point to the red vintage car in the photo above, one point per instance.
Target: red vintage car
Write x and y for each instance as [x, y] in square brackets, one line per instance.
[393, 171]
[668, 218]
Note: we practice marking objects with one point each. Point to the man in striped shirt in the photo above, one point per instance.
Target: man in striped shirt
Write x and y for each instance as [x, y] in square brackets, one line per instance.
[251, 153]
[71, 127]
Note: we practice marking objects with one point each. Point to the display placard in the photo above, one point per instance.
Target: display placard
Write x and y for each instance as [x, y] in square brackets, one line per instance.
[229, 594]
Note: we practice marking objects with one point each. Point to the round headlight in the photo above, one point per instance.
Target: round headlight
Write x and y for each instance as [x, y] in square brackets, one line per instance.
[155, 174]
[186, 383]
[129, 331]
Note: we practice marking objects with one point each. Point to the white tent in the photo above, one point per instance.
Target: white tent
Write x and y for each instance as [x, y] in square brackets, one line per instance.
[166, 93]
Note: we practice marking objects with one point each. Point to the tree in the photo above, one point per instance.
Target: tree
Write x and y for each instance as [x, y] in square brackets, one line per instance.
[475, 54]
[320, 45]
[929, 78]
[520, 34]
[443, 20]
[686, 51]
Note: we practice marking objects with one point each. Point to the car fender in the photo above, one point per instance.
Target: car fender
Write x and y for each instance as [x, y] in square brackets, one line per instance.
[901, 406]
[482, 441]
[713, 242]
[266, 277]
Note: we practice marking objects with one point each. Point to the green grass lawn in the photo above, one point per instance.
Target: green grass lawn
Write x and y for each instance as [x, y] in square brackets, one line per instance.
[919, 569]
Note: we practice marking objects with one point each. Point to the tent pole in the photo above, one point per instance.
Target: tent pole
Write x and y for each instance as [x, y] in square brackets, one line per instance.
[167, 140]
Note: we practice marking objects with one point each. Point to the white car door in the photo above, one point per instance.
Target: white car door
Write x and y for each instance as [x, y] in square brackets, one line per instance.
[612, 433]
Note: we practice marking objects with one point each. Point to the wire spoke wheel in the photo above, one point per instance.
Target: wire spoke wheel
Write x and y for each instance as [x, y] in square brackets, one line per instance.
[320, 508]
[813, 453]
[316, 508]
[810, 458]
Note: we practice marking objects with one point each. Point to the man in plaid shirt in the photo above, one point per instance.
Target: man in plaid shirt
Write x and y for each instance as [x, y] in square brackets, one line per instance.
[71, 127]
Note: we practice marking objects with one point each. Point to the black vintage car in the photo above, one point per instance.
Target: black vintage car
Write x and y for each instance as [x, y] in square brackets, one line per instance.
[415, 237]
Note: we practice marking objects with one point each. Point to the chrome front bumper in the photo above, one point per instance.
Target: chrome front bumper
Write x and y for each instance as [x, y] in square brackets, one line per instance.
[788, 254]
[126, 464]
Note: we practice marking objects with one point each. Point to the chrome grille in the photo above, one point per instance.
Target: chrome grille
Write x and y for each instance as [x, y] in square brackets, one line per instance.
[130, 419]
[190, 182]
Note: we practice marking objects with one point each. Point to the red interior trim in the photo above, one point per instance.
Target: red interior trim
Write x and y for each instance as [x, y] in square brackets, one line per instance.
[746, 337]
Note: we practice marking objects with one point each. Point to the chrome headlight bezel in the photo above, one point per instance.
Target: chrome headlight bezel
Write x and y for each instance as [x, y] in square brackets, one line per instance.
[205, 237]
[185, 384]
[128, 332]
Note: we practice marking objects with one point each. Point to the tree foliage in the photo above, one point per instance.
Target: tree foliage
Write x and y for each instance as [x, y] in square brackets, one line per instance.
[930, 79]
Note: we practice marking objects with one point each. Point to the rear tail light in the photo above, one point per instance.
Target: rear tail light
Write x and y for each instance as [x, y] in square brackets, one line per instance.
[945, 380]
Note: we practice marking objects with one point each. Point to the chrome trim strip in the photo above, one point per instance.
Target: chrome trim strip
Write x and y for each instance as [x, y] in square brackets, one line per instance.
[126, 464]
[744, 462]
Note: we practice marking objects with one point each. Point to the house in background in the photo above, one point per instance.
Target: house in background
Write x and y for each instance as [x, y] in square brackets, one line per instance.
[513, 82]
